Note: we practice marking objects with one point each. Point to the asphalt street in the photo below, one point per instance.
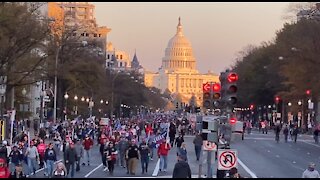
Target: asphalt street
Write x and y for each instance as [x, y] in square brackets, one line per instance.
[259, 155]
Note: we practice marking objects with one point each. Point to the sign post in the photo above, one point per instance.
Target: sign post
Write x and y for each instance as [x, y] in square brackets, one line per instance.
[227, 159]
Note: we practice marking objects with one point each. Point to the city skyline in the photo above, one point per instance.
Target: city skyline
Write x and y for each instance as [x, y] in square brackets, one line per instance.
[216, 38]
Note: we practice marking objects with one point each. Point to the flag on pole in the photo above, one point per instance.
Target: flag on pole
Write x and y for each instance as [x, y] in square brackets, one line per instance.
[158, 139]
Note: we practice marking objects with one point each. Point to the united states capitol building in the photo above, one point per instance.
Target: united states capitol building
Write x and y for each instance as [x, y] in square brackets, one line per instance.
[178, 72]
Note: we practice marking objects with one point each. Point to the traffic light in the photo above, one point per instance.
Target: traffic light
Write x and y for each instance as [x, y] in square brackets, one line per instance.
[308, 92]
[216, 88]
[206, 95]
[251, 107]
[229, 88]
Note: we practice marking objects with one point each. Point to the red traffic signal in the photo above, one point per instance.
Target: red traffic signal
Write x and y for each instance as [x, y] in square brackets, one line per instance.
[251, 106]
[206, 87]
[216, 87]
[233, 120]
[233, 77]
[277, 99]
[308, 91]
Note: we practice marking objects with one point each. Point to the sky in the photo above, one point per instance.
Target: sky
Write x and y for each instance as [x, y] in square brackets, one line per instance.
[218, 31]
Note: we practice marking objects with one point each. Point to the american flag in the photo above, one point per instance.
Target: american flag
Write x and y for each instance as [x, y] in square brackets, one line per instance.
[158, 139]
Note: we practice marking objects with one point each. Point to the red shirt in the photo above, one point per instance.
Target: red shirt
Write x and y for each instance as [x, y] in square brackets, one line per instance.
[162, 150]
[148, 129]
[41, 148]
[87, 143]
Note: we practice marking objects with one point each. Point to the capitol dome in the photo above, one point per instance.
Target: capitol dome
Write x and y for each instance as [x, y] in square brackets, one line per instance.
[179, 54]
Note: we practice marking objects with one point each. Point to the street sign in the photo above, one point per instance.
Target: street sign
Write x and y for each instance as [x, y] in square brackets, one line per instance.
[310, 105]
[206, 87]
[227, 159]
[209, 146]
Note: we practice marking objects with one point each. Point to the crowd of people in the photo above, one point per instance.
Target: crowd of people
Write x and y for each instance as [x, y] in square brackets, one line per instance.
[124, 142]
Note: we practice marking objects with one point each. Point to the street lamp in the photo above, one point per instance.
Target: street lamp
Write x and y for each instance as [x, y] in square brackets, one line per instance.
[101, 101]
[76, 107]
[66, 96]
[299, 102]
[289, 104]
[24, 92]
[87, 100]
[82, 99]
[2, 92]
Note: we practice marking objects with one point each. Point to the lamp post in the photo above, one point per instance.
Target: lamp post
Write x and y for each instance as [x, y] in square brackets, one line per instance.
[76, 107]
[24, 92]
[300, 103]
[42, 94]
[2, 93]
[66, 96]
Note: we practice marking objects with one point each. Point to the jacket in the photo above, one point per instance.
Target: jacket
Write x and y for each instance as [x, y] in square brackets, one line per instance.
[163, 151]
[179, 141]
[197, 141]
[181, 170]
[16, 156]
[123, 146]
[87, 143]
[50, 154]
[70, 155]
[79, 149]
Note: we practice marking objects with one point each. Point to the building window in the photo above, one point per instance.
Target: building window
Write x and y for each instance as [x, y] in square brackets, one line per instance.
[120, 64]
[108, 56]
[95, 35]
[121, 56]
[82, 34]
[99, 35]
[87, 34]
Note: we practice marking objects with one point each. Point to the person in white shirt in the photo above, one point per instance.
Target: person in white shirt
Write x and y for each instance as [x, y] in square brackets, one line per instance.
[310, 172]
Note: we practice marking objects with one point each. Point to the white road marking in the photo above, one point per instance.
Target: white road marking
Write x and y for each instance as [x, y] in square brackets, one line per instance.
[42, 168]
[293, 162]
[156, 169]
[277, 156]
[311, 144]
[308, 153]
[269, 151]
[87, 175]
[252, 174]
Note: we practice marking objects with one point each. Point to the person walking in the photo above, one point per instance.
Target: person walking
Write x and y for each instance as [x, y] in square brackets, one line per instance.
[233, 173]
[197, 141]
[123, 146]
[103, 146]
[41, 147]
[87, 145]
[50, 156]
[132, 155]
[310, 172]
[295, 133]
[182, 151]
[181, 168]
[144, 155]
[18, 172]
[32, 157]
[70, 157]
[79, 149]
[172, 133]
[277, 132]
[111, 154]
[163, 152]
[286, 133]
[15, 156]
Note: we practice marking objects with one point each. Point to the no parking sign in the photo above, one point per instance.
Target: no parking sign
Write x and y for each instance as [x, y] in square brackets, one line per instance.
[227, 159]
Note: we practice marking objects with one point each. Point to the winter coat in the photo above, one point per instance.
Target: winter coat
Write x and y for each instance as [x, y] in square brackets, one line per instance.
[179, 141]
[181, 170]
[197, 141]
[50, 154]
[163, 150]
[16, 156]
[71, 155]
[87, 143]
